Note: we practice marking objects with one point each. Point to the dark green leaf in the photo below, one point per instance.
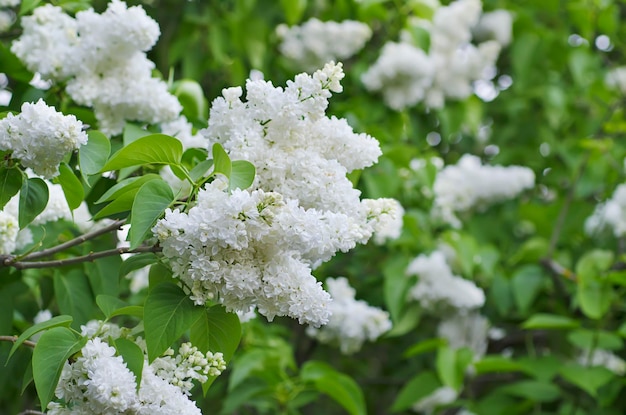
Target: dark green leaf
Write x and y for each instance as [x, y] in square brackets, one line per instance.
[33, 200]
[57, 321]
[168, 313]
[132, 355]
[415, 389]
[589, 379]
[74, 295]
[72, 187]
[108, 304]
[150, 202]
[138, 261]
[53, 349]
[341, 388]
[93, 155]
[10, 184]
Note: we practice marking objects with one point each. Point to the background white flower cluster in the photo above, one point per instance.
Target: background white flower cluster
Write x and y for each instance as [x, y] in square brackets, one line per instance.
[102, 59]
[407, 74]
[352, 321]
[99, 382]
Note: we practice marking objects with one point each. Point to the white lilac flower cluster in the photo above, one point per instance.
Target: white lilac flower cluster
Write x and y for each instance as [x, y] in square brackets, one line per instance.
[437, 289]
[257, 247]
[98, 381]
[470, 184]
[466, 329]
[7, 16]
[610, 214]
[102, 59]
[315, 43]
[9, 229]
[39, 137]
[407, 75]
[616, 79]
[352, 322]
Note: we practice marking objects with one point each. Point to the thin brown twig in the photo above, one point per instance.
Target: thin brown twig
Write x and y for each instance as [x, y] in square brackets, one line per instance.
[73, 242]
[85, 258]
[13, 339]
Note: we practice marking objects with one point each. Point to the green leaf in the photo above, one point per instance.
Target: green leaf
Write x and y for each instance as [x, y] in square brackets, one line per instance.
[251, 361]
[341, 388]
[589, 339]
[200, 170]
[593, 264]
[150, 202]
[138, 261]
[191, 97]
[221, 161]
[12, 66]
[131, 310]
[498, 364]
[595, 297]
[133, 132]
[415, 389]
[33, 200]
[108, 304]
[93, 155]
[10, 184]
[217, 331]
[125, 186]
[425, 346]
[544, 368]
[526, 285]
[72, 187]
[74, 296]
[132, 355]
[550, 322]
[293, 10]
[589, 379]
[57, 321]
[447, 366]
[26, 6]
[151, 149]
[53, 349]
[534, 390]
[395, 286]
[241, 175]
[168, 313]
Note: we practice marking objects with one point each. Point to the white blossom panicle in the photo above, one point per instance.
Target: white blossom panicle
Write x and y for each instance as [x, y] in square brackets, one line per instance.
[385, 216]
[441, 396]
[352, 321]
[248, 248]
[257, 247]
[9, 228]
[7, 18]
[616, 79]
[437, 288]
[603, 358]
[102, 59]
[496, 25]
[403, 73]
[407, 75]
[610, 214]
[469, 330]
[39, 137]
[470, 184]
[314, 43]
[99, 382]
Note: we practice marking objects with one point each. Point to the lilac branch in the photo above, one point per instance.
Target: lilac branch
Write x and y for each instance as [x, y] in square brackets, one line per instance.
[73, 242]
[13, 339]
[85, 258]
